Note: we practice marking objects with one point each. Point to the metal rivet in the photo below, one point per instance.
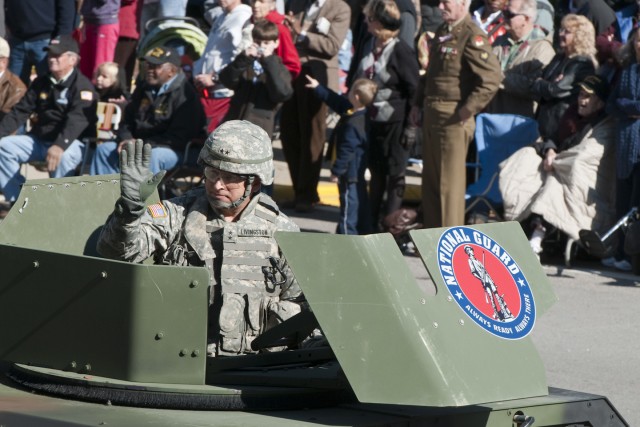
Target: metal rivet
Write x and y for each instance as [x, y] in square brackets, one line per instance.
[194, 284]
[435, 325]
[83, 184]
[103, 274]
[35, 264]
[423, 301]
[34, 187]
[159, 335]
[183, 352]
[461, 321]
[50, 187]
[73, 364]
[449, 298]
[67, 185]
[195, 353]
[87, 367]
[98, 182]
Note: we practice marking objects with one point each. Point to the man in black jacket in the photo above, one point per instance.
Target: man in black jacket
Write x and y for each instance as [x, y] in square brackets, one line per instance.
[60, 107]
[164, 111]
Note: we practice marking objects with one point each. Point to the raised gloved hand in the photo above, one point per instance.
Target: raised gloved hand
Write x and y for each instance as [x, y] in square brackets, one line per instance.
[137, 182]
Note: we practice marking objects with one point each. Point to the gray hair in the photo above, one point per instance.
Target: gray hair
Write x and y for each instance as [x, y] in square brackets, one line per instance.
[529, 8]
[75, 56]
[467, 3]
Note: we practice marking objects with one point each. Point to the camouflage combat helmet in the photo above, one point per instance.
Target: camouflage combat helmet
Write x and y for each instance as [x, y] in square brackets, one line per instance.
[240, 147]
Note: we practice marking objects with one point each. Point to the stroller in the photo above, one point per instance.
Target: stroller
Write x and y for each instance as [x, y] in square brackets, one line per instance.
[181, 33]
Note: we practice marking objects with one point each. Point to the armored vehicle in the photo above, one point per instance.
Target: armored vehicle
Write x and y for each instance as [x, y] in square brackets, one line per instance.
[90, 341]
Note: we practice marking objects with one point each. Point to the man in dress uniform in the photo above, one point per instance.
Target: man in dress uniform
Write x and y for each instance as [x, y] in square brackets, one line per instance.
[462, 77]
[61, 107]
[226, 225]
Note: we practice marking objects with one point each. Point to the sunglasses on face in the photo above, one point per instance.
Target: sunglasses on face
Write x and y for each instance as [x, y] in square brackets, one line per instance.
[227, 178]
[510, 15]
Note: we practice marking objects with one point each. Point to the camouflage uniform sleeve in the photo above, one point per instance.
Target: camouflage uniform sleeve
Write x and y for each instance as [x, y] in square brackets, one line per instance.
[137, 239]
[486, 70]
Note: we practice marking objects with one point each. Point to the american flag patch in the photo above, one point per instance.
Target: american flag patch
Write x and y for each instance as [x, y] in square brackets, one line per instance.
[86, 95]
[157, 210]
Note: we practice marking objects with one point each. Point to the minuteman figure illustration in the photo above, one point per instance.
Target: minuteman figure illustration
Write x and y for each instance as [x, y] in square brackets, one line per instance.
[500, 310]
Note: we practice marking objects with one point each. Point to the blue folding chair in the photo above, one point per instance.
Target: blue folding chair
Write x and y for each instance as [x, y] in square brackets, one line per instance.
[497, 137]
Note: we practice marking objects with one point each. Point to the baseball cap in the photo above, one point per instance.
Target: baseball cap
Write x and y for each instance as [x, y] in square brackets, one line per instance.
[61, 44]
[595, 84]
[4, 48]
[161, 55]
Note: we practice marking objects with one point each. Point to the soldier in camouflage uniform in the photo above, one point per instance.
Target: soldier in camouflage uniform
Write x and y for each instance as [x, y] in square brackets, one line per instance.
[227, 226]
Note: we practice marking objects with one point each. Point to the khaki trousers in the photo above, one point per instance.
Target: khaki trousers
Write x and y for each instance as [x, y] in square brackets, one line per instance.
[444, 154]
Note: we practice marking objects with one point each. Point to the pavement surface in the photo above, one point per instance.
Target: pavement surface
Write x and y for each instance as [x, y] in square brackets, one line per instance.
[589, 340]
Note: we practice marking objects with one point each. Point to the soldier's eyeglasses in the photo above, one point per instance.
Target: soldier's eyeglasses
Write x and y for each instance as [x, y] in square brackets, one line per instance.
[510, 15]
[227, 178]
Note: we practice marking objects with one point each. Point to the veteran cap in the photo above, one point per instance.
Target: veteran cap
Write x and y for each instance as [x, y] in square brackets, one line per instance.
[161, 55]
[61, 44]
[595, 84]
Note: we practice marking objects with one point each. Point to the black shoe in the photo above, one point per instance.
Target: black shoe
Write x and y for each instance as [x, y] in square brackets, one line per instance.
[5, 207]
[305, 207]
[287, 204]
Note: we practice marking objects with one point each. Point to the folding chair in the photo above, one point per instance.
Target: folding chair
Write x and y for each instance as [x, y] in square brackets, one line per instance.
[109, 116]
[186, 175]
[497, 137]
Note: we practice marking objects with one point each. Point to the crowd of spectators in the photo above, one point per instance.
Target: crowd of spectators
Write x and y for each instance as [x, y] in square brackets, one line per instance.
[434, 65]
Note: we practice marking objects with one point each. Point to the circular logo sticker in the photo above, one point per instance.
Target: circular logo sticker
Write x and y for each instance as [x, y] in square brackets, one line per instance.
[486, 282]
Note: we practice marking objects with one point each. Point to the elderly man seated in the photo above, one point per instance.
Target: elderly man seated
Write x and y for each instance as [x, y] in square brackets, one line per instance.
[164, 111]
[569, 184]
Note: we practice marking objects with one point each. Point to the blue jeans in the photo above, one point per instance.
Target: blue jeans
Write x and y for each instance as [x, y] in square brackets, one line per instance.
[354, 207]
[24, 54]
[18, 149]
[106, 160]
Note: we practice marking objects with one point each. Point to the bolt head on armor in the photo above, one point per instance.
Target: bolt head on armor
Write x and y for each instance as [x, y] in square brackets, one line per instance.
[239, 147]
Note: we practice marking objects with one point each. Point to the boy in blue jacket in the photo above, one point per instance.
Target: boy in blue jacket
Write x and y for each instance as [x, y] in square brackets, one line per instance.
[350, 139]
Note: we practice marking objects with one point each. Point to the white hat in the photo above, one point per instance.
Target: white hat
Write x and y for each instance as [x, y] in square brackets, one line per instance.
[4, 48]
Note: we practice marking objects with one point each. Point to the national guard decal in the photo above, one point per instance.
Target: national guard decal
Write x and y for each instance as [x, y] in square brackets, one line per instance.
[486, 282]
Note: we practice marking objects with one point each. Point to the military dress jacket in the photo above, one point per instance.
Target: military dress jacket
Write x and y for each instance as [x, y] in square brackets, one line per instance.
[462, 68]
[59, 112]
